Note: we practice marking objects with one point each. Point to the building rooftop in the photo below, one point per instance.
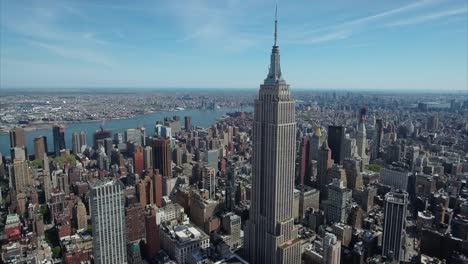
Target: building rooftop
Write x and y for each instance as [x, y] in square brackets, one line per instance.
[12, 219]
[183, 233]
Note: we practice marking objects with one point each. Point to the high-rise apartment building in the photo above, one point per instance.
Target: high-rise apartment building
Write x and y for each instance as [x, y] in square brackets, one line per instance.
[40, 147]
[304, 167]
[209, 180]
[78, 141]
[107, 206]
[324, 163]
[339, 200]
[79, 213]
[17, 137]
[315, 141]
[138, 160]
[20, 175]
[148, 157]
[271, 236]
[331, 249]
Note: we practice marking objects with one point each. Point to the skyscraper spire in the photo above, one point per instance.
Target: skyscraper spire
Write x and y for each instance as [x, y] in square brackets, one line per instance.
[274, 74]
[276, 24]
[270, 234]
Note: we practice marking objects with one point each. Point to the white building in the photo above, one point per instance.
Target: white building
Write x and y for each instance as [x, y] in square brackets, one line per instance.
[107, 206]
[180, 241]
[339, 198]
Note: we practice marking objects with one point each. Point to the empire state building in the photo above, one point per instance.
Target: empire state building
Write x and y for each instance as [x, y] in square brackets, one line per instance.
[271, 236]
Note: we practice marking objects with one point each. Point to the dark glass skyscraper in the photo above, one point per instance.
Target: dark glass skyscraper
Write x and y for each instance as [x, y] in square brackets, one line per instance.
[188, 123]
[162, 156]
[393, 241]
[59, 138]
[336, 136]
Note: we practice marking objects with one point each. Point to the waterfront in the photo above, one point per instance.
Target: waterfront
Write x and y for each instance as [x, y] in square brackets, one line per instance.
[201, 118]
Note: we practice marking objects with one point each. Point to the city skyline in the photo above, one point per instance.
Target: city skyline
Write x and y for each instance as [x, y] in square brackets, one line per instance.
[152, 45]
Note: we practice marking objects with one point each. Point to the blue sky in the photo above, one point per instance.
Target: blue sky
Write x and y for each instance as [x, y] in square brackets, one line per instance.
[333, 44]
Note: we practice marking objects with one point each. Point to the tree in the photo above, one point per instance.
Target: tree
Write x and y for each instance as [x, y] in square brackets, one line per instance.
[374, 167]
[61, 160]
[57, 252]
[37, 163]
[45, 213]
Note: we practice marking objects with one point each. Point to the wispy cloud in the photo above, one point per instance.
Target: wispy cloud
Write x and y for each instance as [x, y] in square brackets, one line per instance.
[429, 17]
[410, 12]
[42, 29]
[76, 54]
[220, 23]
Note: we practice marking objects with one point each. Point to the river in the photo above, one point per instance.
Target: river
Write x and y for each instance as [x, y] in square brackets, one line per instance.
[201, 118]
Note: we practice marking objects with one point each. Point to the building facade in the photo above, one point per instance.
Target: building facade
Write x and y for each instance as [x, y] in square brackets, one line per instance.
[336, 137]
[270, 233]
[393, 239]
[40, 147]
[107, 204]
[59, 138]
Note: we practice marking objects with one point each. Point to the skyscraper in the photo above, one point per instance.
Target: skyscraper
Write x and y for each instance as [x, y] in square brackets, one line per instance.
[100, 135]
[324, 163]
[394, 225]
[20, 175]
[270, 233]
[79, 212]
[315, 143]
[162, 156]
[361, 138]
[231, 187]
[395, 176]
[378, 138]
[209, 180]
[17, 137]
[331, 249]
[40, 147]
[158, 188]
[353, 174]
[59, 138]
[304, 165]
[148, 157]
[339, 199]
[134, 135]
[47, 180]
[138, 160]
[108, 219]
[78, 140]
[336, 136]
[188, 123]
